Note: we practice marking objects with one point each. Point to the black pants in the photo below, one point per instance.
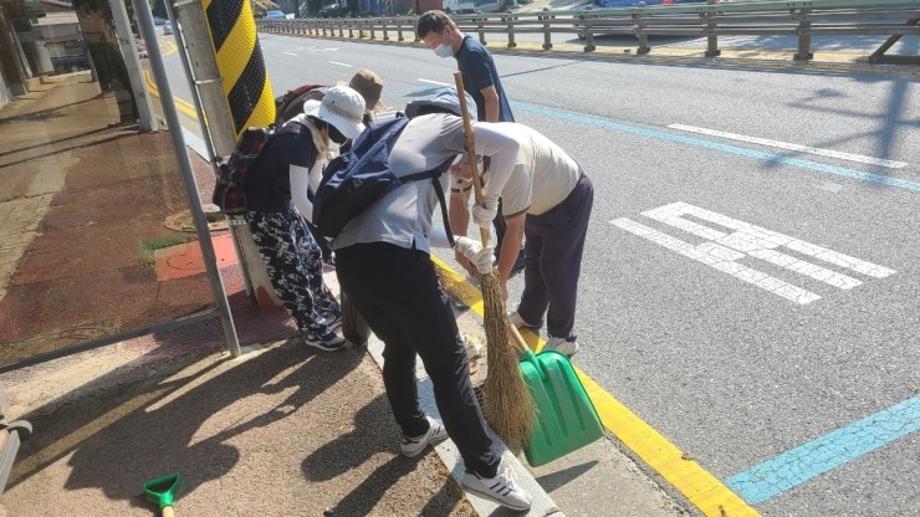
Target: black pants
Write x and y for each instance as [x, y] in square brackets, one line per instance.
[320, 241]
[399, 294]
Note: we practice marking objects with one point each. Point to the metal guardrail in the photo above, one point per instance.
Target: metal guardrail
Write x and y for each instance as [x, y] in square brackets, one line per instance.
[802, 18]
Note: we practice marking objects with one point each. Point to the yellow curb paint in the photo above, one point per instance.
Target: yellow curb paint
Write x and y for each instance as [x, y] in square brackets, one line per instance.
[701, 488]
[170, 49]
[183, 106]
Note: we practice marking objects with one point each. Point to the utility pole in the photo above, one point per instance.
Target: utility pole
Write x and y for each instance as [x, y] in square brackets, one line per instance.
[219, 130]
[148, 121]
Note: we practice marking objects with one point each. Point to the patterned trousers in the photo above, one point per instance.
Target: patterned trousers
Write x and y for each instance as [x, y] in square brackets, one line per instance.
[294, 263]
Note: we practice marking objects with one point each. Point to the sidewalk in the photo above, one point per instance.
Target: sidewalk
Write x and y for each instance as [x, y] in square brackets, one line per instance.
[283, 430]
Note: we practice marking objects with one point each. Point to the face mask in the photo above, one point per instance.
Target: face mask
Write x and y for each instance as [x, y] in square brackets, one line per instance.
[337, 137]
[444, 50]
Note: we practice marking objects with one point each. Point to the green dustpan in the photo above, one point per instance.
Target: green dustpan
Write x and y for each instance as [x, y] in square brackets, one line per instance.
[566, 417]
[162, 491]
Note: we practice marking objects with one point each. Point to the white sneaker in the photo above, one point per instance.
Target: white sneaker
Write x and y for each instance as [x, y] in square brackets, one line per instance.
[502, 489]
[519, 322]
[558, 344]
[412, 447]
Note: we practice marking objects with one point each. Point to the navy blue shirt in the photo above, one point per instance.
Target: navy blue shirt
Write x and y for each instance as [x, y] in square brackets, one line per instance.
[268, 184]
[478, 69]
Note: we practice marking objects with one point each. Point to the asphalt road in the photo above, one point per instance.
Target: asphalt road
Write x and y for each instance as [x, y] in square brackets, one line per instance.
[733, 358]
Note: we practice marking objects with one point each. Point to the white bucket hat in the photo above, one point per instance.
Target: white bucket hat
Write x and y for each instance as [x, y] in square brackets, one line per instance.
[342, 108]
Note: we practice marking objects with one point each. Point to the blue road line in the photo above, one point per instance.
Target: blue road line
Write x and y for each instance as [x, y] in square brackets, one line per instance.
[794, 467]
[716, 146]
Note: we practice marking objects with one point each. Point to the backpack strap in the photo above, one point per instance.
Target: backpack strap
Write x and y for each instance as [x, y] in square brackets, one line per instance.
[440, 191]
[435, 175]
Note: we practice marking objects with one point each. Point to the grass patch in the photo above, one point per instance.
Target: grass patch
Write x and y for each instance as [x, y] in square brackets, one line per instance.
[148, 247]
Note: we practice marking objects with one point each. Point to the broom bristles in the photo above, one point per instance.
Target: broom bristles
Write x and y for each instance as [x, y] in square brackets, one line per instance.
[509, 406]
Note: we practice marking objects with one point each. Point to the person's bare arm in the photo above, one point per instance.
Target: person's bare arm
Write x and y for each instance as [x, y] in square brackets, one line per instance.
[490, 94]
[511, 247]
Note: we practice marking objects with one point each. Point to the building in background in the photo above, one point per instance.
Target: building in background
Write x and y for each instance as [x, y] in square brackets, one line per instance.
[64, 41]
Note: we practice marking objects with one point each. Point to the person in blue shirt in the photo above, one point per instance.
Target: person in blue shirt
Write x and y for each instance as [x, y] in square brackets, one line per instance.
[482, 82]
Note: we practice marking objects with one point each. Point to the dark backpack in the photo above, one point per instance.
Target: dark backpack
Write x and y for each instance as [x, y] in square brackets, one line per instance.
[229, 188]
[353, 181]
[290, 104]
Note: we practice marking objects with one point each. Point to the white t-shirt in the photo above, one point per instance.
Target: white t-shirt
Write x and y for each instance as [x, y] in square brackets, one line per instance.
[530, 172]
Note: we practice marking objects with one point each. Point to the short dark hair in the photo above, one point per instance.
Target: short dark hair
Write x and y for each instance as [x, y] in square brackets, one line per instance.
[433, 21]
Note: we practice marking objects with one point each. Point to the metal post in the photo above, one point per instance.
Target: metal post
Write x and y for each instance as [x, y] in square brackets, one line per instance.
[511, 43]
[589, 33]
[547, 36]
[804, 53]
[148, 121]
[399, 31]
[221, 129]
[197, 38]
[195, 83]
[386, 34]
[482, 34]
[643, 37]
[373, 34]
[879, 55]
[145, 21]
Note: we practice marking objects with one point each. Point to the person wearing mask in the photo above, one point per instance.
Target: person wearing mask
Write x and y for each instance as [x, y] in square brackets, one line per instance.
[277, 203]
[367, 83]
[383, 263]
[481, 80]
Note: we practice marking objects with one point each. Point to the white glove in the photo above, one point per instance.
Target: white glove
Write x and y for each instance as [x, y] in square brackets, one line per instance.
[482, 258]
[484, 214]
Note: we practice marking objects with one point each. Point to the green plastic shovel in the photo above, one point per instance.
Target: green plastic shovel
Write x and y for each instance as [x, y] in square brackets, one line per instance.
[566, 418]
[162, 491]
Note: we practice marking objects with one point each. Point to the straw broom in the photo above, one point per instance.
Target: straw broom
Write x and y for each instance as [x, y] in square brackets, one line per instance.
[509, 406]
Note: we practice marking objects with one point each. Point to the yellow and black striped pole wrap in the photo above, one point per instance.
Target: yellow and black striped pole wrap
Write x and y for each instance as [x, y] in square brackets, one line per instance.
[240, 62]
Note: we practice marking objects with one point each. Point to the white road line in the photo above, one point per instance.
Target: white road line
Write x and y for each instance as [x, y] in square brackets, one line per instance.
[891, 164]
[754, 240]
[429, 81]
[289, 54]
[346, 65]
[721, 259]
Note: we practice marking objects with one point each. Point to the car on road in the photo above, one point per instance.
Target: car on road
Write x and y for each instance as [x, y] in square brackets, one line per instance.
[167, 27]
[610, 4]
[336, 9]
[613, 4]
[274, 14]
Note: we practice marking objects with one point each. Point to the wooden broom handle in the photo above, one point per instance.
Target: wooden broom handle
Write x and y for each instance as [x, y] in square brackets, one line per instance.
[471, 150]
[518, 341]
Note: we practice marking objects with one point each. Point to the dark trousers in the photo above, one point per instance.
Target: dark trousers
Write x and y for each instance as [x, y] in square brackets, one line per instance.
[555, 243]
[320, 241]
[398, 293]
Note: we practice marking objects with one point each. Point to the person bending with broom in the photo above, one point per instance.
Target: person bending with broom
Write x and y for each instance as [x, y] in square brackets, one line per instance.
[383, 263]
[547, 198]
